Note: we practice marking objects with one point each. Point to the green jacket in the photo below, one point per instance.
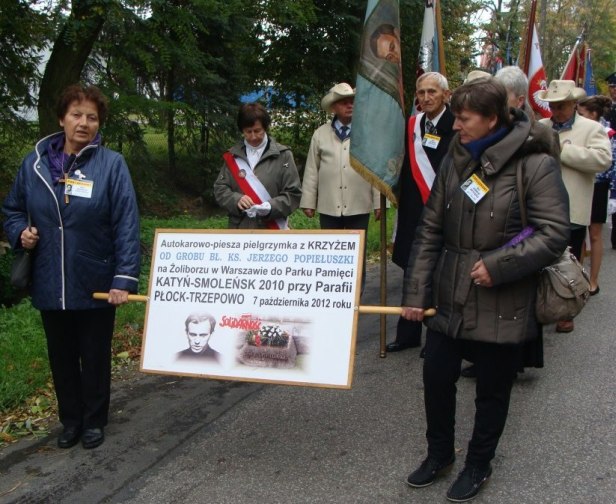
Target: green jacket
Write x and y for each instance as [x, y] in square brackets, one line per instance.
[276, 170]
[454, 233]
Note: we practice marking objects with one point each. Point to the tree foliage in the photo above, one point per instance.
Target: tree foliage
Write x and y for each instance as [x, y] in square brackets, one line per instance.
[559, 24]
[565, 20]
[20, 46]
[23, 34]
[180, 67]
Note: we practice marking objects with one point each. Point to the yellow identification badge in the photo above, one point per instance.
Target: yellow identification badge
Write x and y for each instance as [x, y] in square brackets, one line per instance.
[475, 188]
[430, 140]
[79, 188]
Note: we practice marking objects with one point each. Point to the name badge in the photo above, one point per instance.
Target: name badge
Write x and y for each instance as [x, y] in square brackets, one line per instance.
[79, 188]
[475, 189]
[430, 141]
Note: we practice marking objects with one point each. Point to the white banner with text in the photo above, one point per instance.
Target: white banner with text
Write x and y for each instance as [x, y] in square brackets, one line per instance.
[265, 306]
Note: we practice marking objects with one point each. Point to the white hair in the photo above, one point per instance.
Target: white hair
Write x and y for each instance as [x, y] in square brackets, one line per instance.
[440, 79]
[514, 79]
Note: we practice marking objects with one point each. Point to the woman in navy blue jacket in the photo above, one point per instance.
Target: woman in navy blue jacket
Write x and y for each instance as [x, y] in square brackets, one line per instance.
[73, 204]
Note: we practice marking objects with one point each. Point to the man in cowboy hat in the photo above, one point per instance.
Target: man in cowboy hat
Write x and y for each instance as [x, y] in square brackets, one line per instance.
[476, 74]
[584, 151]
[331, 186]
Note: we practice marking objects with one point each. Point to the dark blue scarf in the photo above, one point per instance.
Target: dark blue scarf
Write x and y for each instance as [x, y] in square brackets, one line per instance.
[477, 147]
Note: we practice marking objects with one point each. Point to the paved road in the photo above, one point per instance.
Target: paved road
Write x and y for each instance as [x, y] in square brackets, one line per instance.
[205, 441]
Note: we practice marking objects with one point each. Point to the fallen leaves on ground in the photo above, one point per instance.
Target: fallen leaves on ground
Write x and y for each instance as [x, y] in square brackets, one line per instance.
[30, 419]
[39, 412]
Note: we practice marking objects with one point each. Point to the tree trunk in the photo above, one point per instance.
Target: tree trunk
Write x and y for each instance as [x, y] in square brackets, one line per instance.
[68, 57]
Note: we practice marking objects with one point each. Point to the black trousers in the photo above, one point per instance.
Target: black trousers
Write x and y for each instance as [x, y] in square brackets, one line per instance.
[79, 349]
[496, 367]
[358, 221]
[576, 240]
[408, 332]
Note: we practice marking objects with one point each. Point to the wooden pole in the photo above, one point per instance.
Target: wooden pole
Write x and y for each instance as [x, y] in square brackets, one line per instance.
[383, 321]
[390, 310]
[131, 297]
[439, 33]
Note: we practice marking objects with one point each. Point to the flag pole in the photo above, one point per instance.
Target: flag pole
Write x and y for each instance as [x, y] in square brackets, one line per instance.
[377, 136]
[572, 67]
[528, 40]
[439, 36]
[383, 318]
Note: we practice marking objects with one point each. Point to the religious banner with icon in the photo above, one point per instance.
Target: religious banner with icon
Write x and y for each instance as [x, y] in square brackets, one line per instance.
[377, 135]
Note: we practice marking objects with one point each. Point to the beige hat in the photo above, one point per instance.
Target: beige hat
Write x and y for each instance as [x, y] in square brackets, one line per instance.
[338, 92]
[561, 90]
[476, 74]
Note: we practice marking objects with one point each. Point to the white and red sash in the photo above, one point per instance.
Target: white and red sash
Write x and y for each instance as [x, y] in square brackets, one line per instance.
[421, 169]
[251, 186]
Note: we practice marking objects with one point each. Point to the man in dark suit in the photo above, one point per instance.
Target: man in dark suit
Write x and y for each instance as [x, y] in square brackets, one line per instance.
[427, 139]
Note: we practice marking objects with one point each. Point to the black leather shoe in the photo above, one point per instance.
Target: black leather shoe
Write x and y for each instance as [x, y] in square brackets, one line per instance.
[469, 371]
[93, 437]
[468, 483]
[398, 347]
[69, 437]
[428, 471]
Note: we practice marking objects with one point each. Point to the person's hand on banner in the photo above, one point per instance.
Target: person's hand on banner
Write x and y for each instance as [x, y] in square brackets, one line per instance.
[611, 206]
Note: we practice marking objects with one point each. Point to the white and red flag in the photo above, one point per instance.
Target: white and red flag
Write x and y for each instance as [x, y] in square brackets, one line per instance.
[575, 69]
[532, 65]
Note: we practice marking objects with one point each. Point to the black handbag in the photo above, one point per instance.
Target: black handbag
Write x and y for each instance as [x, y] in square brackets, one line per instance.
[564, 285]
[21, 269]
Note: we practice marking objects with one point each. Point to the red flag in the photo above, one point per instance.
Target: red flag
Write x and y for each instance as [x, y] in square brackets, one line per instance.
[575, 69]
[532, 65]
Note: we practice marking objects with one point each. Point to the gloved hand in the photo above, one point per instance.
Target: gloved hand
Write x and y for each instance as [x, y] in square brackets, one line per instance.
[261, 210]
[611, 206]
